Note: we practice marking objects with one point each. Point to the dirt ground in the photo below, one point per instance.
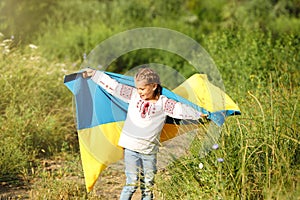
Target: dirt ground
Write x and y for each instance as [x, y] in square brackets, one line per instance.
[11, 190]
[108, 186]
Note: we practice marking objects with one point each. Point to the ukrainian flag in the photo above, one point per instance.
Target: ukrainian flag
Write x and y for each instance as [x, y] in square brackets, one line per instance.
[100, 116]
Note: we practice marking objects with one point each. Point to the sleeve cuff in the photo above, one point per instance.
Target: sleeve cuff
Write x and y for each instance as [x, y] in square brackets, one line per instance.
[97, 76]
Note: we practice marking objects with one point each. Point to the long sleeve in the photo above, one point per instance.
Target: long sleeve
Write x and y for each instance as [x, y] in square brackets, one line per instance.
[121, 91]
[179, 110]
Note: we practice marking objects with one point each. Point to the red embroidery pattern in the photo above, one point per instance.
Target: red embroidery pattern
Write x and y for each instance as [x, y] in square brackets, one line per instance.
[126, 91]
[145, 110]
[169, 106]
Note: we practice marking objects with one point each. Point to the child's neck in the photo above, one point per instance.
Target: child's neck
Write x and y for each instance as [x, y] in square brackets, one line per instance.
[153, 99]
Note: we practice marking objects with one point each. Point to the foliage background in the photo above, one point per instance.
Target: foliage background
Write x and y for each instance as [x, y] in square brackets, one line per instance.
[255, 45]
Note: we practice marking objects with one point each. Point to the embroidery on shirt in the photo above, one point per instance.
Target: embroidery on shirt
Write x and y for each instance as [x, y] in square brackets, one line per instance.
[138, 104]
[145, 110]
[126, 91]
[169, 106]
[152, 109]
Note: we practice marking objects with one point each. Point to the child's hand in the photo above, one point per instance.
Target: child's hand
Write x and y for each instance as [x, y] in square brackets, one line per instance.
[88, 73]
[204, 115]
[203, 118]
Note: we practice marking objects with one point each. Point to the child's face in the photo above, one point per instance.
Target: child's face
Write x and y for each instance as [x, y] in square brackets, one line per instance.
[146, 91]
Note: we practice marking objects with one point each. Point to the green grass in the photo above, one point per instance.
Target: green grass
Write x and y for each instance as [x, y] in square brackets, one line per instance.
[257, 56]
[36, 113]
[260, 148]
[260, 151]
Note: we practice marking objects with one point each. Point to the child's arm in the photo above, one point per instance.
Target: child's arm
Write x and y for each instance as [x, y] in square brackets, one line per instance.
[121, 91]
[181, 111]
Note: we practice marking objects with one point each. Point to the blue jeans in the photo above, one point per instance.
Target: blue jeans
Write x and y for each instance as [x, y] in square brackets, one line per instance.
[141, 167]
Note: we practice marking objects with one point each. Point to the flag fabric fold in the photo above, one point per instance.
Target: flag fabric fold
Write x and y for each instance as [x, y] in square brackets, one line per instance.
[100, 116]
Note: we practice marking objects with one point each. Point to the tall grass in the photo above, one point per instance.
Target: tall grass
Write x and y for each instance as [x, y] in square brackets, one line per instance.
[260, 148]
[34, 121]
[257, 55]
[260, 151]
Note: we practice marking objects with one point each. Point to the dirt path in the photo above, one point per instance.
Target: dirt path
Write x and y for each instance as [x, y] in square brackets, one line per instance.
[108, 186]
[13, 189]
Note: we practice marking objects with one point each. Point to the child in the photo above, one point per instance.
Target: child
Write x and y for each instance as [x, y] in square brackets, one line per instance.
[146, 115]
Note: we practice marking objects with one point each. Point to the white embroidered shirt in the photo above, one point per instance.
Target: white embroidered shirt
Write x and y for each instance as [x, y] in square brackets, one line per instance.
[145, 120]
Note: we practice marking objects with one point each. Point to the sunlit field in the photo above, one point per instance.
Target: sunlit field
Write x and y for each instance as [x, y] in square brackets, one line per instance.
[257, 154]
